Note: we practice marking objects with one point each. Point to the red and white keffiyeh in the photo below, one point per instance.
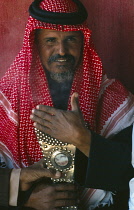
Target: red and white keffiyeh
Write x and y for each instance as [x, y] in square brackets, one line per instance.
[105, 104]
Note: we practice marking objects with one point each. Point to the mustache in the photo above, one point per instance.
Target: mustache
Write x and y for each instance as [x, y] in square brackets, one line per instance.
[54, 58]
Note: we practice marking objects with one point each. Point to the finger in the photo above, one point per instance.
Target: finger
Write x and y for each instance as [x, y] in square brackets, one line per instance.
[29, 175]
[42, 114]
[67, 186]
[38, 173]
[66, 195]
[47, 109]
[67, 203]
[42, 128]
[39, 164]
[40, 121]
[75, 102]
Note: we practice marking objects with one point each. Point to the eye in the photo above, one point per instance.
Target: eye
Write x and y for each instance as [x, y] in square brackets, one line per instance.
[50, 40]
[71, 39]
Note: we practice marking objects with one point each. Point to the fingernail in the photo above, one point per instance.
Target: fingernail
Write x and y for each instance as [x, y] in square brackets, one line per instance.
[76, 95]
[58, 174]
[33, 111]
[34, 123]
[31, 116]
[37, 106]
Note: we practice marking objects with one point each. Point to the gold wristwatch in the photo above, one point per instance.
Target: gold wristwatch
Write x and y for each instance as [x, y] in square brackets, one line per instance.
[58, 155]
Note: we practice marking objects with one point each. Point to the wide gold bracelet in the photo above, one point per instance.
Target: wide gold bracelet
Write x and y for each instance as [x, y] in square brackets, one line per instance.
[58, 155]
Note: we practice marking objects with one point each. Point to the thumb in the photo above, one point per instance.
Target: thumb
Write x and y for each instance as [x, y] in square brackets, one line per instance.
[39, 173]
[30, 175]
[75, 102]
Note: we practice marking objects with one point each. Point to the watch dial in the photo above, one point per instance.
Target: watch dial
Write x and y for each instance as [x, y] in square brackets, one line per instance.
[61, 159]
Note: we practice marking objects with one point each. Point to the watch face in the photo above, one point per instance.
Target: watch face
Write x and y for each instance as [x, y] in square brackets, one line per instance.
[61, 159]
[57, 155]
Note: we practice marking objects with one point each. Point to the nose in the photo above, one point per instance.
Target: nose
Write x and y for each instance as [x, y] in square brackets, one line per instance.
[61, 48]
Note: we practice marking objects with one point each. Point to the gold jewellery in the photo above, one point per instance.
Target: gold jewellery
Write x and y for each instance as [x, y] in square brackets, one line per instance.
[58, 155]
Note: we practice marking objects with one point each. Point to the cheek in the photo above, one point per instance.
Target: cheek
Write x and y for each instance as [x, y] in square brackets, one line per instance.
[44, 55]
[77, 54]
[76, 49]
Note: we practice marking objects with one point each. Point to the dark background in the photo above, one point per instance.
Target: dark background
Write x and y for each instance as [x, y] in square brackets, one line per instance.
[112, 25]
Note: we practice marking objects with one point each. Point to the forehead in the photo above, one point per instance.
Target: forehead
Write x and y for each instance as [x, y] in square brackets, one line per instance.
[42, 33]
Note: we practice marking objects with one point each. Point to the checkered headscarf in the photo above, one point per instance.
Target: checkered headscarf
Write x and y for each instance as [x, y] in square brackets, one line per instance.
[24, 86]
[105, 104]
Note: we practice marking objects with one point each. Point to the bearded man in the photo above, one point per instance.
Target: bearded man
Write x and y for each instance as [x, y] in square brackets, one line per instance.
[57, 82]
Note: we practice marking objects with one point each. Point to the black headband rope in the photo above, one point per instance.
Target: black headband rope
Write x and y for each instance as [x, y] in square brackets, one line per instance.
[56, 17]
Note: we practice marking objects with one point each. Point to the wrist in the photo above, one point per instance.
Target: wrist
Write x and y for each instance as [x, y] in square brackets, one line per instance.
[84, 142]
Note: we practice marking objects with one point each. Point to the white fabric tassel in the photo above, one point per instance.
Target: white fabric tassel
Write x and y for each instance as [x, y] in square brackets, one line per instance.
[100, 198]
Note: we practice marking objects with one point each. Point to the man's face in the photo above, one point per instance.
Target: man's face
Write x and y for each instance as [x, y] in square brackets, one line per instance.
[60, 52]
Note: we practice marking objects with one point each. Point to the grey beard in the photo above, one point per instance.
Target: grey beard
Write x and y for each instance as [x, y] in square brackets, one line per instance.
[61, 77]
